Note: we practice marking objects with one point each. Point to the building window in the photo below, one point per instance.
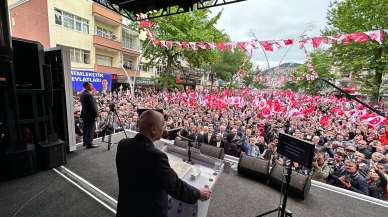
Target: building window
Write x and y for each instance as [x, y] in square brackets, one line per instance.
[144, 68]
[105, 33]
[104, 60]
[86, 56]
[58, 17]
[129, 41]
[127, 64]
[78, 55]
[68, 20]
[159, 69]
[71, 21]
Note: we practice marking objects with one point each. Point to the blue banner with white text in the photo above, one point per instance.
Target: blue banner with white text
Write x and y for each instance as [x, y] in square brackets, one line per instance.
[101, 82]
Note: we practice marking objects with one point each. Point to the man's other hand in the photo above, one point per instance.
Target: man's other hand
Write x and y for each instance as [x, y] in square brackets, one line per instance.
[205, 193]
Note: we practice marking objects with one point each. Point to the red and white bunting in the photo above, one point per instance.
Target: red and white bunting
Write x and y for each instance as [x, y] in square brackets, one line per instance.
[269, 45]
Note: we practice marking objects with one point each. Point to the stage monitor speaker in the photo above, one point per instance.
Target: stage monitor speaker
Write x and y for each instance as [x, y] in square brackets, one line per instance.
[212, 151]
[28, 59]
[51, 154]
[18, 162]
[253, 167]
[299, 186]
[182, 144]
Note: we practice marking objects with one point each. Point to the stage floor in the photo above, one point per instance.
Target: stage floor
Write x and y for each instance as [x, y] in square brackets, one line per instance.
[48, 194]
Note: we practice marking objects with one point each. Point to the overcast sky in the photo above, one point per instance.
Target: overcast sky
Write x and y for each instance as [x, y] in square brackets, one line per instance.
[273, 19]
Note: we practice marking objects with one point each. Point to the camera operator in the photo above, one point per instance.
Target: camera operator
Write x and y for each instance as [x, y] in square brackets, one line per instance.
[350, 178]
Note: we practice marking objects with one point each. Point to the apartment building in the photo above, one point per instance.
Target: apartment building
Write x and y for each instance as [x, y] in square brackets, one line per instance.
[97, 38]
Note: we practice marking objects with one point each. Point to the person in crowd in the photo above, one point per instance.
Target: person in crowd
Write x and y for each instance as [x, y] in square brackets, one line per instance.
[269, 153]
[384, 136]
[218, 141]
[321, 169]
[377, 182]
[251, 149]
[339, 130]
[349, 178]
[207, 135]
[350, 150]
[261, 144]
[233, 145]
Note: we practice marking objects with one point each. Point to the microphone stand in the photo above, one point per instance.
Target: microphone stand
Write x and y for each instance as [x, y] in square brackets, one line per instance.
[188, 150]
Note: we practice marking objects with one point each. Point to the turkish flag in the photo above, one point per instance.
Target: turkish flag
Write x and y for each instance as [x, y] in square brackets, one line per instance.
[242, 45]
[358, 37]
[324, 120]
[288, 42]
[309, 110]
[169, 44]
[221, 46]
[317, 41]
[267, 46]
[146, 24]
[185, 44]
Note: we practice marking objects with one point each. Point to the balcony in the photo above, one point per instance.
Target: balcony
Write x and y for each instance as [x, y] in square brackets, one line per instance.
[106, 42]
[103, 13]
[131, 50]
[114, 70]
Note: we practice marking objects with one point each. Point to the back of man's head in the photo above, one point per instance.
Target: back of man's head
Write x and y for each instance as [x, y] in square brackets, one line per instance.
[151, 124]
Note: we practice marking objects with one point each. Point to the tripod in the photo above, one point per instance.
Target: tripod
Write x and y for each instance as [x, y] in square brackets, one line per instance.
[282, 209]
[111, 115]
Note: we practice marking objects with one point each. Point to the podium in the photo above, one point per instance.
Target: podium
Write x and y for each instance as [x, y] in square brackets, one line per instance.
[199, 175]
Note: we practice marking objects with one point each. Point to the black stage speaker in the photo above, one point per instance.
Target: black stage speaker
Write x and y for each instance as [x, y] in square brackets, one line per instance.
[182, 144]
[299, 186]
[212, 151]
[28, 57]
[51, 154]
[57, 94]
[18, 162]
[253, 167]
[33, 115]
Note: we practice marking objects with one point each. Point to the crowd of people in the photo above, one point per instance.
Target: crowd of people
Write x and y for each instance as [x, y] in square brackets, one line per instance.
[351, 141]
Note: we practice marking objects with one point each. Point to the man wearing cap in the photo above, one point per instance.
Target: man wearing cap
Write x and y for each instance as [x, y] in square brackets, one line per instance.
[350, 150]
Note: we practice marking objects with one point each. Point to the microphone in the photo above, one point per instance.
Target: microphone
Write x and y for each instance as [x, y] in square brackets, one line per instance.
[171, 134]
[185, 138]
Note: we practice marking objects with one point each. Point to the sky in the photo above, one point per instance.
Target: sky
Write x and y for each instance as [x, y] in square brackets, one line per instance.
[273, 19]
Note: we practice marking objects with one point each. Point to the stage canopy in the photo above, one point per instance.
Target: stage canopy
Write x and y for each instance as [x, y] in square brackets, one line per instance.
[147, 9]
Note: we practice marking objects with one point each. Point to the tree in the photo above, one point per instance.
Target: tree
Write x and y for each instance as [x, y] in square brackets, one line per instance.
[229, 63]
[322, 62]
[366, 62]
[196, 26]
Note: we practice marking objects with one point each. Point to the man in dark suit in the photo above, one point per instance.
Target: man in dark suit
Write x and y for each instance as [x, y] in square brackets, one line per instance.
[207, 135]
[195, 134]
[145, 176]
[217, 141]
[88, 114]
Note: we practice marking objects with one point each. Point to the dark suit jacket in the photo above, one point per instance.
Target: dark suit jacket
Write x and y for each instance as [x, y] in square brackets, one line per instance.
[213, 142]
[205, 138]
[89, 106]
[145, 179]
[196, 137]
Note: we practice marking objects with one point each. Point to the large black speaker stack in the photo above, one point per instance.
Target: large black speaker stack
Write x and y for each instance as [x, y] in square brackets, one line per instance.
[32, 102]
[262, 170]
